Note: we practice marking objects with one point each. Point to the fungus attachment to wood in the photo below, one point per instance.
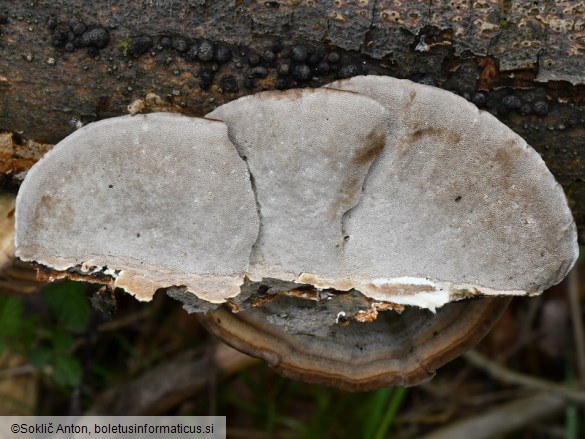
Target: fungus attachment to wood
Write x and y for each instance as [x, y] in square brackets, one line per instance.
[314, 228]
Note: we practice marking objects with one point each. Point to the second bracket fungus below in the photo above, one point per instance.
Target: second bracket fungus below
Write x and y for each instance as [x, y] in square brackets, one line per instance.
[322, 211]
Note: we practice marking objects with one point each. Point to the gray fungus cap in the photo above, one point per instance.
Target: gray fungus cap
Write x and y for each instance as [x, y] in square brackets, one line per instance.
[150, 200]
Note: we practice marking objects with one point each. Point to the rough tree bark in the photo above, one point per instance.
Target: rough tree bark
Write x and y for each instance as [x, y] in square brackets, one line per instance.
[64, 64]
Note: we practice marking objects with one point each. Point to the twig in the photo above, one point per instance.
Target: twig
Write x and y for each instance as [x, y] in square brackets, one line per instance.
[496, 397]
[166, 385]
[503, 419]
[114, 325]
[509, 376]
[577, 318]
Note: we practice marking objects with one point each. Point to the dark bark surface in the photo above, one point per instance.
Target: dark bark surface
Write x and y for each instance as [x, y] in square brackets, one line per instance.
[64, 63]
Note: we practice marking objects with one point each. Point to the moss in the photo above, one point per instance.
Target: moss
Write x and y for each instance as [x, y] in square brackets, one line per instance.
[123, 46]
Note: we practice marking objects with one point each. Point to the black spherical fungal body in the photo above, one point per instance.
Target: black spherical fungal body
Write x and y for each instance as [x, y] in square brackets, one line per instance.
[299, 53]
[574, 120]
[222, 54]
[51, 23]
[540, 107]
[206, 74]
[258, 72]
[348, 70]
[268, 56]
[139, 46]
[301, 72]
[78, 28]
[180, 45]
[479, 99]
[93, 52]
[193, 51]
[253, 59]
[97, 37]
[166, 42]
[334, 57]
[511, 102]
[205, 51]
[284, 69]
[61, 33]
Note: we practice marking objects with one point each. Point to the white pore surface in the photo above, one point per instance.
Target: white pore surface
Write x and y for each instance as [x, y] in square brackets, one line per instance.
[163, 198]
[308, 152]
[455, 198]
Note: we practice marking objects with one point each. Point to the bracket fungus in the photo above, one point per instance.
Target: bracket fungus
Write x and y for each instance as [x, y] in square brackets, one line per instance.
[313, 228]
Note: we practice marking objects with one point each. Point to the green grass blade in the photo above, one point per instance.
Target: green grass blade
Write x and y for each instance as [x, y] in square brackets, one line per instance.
[397, 398]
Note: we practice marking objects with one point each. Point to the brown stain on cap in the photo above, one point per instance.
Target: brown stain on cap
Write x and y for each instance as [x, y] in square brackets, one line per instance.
[375, 142]
[443, 134]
